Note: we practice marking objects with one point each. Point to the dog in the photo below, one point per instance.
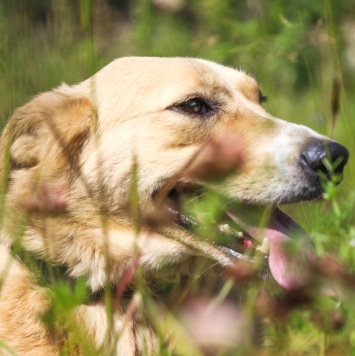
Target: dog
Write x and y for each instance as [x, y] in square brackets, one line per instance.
[93, 177]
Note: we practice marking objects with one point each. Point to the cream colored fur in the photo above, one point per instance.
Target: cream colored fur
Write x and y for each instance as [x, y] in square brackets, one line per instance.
[72, 149]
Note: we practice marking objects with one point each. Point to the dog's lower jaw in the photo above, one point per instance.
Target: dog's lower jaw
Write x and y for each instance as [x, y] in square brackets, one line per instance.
[289, 245]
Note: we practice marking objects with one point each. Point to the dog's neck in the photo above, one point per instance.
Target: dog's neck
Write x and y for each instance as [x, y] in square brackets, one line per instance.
[48, 275]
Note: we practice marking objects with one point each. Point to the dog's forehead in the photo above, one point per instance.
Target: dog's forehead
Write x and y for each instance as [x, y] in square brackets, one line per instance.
[190, 73]
[134, 86]
[182, 74]
[233, 79]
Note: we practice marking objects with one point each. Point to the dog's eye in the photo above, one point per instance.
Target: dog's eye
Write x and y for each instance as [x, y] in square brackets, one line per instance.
[194, 106]
[262, 98]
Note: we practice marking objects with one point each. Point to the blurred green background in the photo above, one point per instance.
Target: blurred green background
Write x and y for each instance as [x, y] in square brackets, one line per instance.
[302, 52]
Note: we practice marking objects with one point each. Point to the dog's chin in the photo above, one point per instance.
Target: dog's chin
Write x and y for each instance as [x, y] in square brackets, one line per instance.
[249, 232]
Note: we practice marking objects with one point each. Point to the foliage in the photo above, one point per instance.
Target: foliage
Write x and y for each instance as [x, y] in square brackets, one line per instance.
[296, 49]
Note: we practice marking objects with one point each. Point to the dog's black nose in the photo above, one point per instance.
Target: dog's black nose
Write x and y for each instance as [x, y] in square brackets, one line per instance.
[315, 154]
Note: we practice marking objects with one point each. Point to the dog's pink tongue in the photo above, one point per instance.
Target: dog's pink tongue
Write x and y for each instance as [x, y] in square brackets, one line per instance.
[289, 263]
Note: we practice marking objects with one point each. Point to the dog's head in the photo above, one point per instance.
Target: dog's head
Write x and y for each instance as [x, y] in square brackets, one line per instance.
[156, 119]
[160, 111]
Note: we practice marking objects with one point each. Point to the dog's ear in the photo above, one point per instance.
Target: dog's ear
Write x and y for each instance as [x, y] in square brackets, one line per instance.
[52, 128]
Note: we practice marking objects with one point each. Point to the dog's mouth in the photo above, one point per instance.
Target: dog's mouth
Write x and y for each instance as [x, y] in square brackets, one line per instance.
[249, 233]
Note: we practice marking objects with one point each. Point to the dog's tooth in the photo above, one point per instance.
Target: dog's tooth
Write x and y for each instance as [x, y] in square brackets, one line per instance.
[225, 228]
[265, 247]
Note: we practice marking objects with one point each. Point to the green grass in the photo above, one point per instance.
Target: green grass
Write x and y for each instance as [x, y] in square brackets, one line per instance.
[294, 49]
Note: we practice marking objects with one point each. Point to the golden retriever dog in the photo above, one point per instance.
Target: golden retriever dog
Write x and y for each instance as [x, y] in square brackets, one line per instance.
[93, 177]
